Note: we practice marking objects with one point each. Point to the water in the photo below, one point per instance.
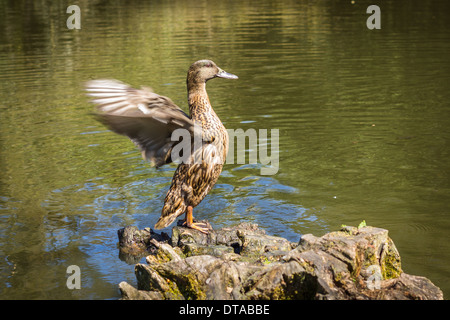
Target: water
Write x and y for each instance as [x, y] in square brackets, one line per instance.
[363, 118]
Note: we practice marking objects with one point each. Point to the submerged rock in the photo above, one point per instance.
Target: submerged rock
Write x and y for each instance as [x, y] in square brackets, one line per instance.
[243, 262]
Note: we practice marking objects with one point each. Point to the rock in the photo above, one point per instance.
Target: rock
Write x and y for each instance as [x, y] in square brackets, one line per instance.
[279, 281]
[243, 262]
[360, 249]
[135, 244]
[193, 249]
[351, 259]
[131, 293]
[259, 244]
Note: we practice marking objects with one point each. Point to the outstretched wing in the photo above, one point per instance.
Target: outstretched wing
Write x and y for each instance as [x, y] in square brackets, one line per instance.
[147, 118]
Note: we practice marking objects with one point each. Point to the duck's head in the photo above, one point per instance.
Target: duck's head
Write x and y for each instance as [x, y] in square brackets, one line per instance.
[204, 70]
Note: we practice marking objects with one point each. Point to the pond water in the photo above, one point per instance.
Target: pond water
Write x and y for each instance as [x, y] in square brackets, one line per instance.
[363, 118]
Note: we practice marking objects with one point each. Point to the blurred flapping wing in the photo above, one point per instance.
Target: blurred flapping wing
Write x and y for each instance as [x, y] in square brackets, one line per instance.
[147, 118]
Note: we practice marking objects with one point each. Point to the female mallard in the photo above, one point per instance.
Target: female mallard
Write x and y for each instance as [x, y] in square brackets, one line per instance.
[149, 120]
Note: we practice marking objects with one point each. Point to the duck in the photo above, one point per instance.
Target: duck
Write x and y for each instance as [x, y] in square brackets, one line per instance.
[152, 121]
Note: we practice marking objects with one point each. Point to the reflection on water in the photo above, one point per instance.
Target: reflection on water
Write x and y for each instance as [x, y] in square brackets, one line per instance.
[363, 119]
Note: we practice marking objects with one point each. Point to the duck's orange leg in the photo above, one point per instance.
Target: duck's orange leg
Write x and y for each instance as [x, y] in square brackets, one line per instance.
[189, 221]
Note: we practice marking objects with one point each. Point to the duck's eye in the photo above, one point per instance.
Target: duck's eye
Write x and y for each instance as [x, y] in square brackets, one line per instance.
[208, 65]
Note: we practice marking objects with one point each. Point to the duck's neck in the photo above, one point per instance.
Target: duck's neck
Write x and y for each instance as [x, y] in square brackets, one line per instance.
[198, 100]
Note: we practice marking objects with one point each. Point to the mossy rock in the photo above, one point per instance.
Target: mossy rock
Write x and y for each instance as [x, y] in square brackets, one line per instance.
[242, 263]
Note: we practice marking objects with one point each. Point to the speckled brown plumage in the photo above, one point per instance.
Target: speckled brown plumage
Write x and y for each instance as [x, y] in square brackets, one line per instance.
[149, 119]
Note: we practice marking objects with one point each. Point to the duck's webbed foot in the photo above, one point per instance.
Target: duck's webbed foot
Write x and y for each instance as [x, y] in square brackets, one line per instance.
[189, 222]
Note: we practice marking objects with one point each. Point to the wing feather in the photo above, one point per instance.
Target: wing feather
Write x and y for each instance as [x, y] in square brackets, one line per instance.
[145, 117]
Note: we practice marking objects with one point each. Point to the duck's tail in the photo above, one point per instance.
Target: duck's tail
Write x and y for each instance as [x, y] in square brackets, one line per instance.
[170, 211]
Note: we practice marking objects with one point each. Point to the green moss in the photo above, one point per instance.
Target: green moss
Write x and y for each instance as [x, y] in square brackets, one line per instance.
[300, 286]
[355, 268]
[162, 257]
[338, 276]
[179, 252]
[173, 293]
[347, 231]
[185, 285]
[191, 288]
[307, 266]
[370, 258]
[391, 266]
[265, 260]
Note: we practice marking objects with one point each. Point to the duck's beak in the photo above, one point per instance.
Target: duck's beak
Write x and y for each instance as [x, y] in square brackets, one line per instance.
[225, 75]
